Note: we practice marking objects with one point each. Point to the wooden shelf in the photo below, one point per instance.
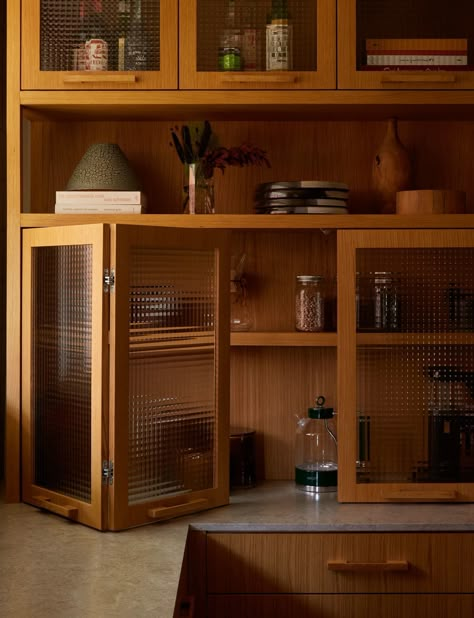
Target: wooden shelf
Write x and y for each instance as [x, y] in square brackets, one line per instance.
[248, 105]
[283, 339]
[256, 222]
[394, 339]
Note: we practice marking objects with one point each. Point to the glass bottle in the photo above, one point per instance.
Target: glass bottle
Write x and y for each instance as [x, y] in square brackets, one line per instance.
[136, 46]
[123, 21]
[249, 36]
[279, 38]
[79, 51]
[316, 450]
[310, 303]
[239, 310]
[230, 42]
[96, 46]
[377, 298]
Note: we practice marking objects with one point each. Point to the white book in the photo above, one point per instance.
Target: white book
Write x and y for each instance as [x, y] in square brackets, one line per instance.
[109, 209]
[100, 197]
[416, 59]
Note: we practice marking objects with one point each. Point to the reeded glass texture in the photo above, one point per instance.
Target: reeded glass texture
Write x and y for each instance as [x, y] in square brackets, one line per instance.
[413, 19]
[66, 26]
[172, 406]
[243, 28]
[61, 368]
[415, 382]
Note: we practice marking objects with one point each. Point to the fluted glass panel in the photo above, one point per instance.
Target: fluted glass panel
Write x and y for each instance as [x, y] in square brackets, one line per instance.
[415, 365]
[172, 406]
[61, 368]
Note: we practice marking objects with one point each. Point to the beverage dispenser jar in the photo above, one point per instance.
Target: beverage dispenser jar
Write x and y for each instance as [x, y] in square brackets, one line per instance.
[316, 450]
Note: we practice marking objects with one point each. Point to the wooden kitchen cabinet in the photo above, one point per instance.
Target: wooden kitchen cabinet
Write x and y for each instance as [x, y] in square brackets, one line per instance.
[360, 21]
[332, 574]
[125, 373]
[52, 32]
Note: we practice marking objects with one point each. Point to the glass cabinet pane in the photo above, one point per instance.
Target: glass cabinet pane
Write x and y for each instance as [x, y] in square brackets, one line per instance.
[172, 372]
[414, 34]
[415, 379]
[61, 369]
[251, 35]
[100, 35]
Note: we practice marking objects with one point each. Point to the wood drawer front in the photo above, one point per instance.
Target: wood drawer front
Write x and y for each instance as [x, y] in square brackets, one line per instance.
[298, 562]
[342, 605]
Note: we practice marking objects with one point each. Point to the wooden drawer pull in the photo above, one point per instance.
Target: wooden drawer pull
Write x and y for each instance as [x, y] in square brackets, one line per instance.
[60, 509]
[428, 77]
[98, 79]
[174, 510]
[272, 78]
[441, 495]
[368, 567]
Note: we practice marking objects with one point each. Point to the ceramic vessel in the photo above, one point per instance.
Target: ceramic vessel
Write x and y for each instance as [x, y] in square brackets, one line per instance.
[392, 168]
[104, 167]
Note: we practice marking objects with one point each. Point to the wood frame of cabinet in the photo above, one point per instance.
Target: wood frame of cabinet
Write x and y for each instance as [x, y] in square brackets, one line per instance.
[235, 104]
[34, 79]
[323, 78]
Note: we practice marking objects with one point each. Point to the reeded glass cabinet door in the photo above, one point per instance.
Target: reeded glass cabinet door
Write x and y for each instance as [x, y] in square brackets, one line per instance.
[99, 44]
[406, 366]
[405, 44]
[170, 372]
[63, 371]
[258, 44]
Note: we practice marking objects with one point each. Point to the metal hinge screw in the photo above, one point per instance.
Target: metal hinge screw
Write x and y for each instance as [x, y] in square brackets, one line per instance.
[107, 472]
[109, 280]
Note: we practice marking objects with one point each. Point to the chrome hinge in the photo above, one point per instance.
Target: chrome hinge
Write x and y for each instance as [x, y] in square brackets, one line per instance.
[107, 472]
[109, 280]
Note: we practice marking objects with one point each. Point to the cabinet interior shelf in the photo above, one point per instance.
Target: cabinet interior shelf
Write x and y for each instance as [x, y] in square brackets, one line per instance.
[441, 338]
[255, 222]
[282, 339]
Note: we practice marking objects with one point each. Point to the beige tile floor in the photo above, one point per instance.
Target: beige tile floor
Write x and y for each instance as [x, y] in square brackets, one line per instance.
[53, 568]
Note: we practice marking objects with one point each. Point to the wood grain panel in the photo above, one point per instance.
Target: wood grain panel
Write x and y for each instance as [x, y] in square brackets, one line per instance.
[297, 563]
[337, 605]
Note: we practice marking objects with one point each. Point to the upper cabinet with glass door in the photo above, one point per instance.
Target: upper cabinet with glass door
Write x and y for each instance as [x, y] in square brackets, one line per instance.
[99, 44]
[257, 44]
[406, 44]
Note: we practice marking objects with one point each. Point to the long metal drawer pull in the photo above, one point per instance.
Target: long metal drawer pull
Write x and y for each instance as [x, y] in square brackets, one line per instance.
[98, 79]
[440, 495]
[368, 567]
[285, 78]
[431, 77]
[60, 509]
[176, 509]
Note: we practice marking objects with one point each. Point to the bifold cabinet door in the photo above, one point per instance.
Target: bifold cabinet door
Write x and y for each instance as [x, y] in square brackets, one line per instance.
[406, 366]
[169, 393]
[64, 371]
[99, 44]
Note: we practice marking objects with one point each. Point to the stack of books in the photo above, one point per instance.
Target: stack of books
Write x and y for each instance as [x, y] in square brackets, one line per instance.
[416, 54]
[108, 202]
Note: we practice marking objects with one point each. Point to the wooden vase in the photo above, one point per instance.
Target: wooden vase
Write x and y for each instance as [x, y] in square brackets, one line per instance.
[392, 168]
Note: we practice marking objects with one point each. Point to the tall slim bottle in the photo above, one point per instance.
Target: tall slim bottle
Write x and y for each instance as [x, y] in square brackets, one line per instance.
[136, 47]
[123, 22]
[279, 38]
[230, 42]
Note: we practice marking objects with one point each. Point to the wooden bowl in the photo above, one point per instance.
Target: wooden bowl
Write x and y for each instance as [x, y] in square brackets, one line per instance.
[430, 202]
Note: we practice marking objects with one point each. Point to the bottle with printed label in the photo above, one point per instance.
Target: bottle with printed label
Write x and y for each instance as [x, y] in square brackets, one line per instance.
[279, 38]
[136, 48]
[230, 43]
[123, 21]
[96, 46]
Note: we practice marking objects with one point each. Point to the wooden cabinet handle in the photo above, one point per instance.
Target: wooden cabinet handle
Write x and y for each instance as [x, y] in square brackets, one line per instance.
[162, 512]
[405, 495]
[368, 567]
[65, 510]
[97, 78]
[427, 77]
[271, 78]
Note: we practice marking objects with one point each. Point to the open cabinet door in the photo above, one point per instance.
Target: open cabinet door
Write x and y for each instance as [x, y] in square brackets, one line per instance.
[64, 367]
[169, 373]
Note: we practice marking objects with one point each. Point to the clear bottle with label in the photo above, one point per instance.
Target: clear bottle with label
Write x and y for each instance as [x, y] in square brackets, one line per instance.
[279, 38]
[316, 450]
[310, 305]
[378, 301]
[123, 23]
[136, 47]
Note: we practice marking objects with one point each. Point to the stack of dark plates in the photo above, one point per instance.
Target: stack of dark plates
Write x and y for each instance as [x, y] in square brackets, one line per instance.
[302, 197]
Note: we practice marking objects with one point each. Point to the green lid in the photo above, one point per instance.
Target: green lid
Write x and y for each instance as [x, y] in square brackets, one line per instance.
[320, 411]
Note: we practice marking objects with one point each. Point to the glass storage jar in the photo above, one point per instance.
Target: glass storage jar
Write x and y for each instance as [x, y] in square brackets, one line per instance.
[377, 301]
[310, 303]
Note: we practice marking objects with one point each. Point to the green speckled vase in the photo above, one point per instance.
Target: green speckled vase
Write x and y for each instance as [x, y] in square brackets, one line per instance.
[103, 167]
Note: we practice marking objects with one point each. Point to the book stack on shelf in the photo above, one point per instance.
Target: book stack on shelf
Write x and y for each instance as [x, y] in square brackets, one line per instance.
[105, 202]
[416, 54]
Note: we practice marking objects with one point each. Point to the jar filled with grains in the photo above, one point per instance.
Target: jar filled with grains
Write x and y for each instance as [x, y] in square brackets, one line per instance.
[310, 303]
